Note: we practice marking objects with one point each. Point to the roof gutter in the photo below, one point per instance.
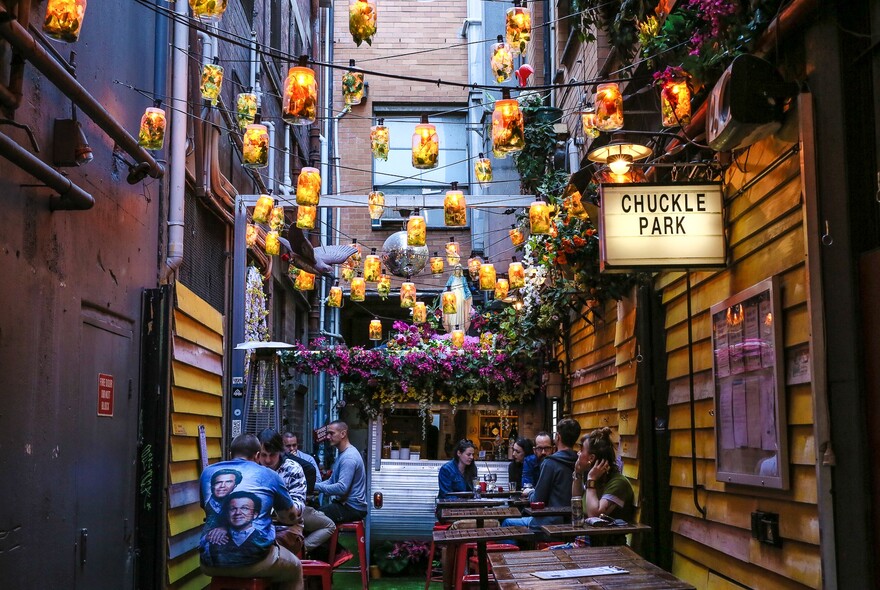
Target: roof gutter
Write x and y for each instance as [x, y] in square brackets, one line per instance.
[25, 44]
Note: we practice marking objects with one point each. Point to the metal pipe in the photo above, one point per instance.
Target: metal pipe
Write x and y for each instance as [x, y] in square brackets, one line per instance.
[26, 45]
[270, 183]
[10, 95]
[72, 197]
[286, 182]
[160, 51]
[177, 151]
[690, 331]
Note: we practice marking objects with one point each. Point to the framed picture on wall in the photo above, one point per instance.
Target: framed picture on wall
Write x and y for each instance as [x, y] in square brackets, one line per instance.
[749, 377]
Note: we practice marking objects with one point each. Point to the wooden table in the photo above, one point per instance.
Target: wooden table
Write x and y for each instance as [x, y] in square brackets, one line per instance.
[548, 511]
[478, 514]
[568, 531]
[470, 503]
[480, 536]
[513, 571]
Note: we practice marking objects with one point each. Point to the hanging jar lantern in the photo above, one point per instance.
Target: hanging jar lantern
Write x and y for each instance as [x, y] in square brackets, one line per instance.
[375, 329]
[519, 27]
[376, 204]
[474, 267]
[334, 297]
[358, 289]
[487, 276]
[308, 187]
[276, 218]
[416, 230]
[208, 11]
[588, 121]
[64, 19]
[212, 81]
[539, 218]
[675, 99]
[407, 295]
[273, 244]
[454, 207]
[355, 259]
[151, 135]
[508, 127]
[436, 265]
[305, 281]
[300, 105]
[250, 235]
[263, 209]
[449, 302]
[352, 86]
[420, 313]
[362, 21]
[453, 251]
[502, 287]
[516, 275]
[305, 216]
[425, 145]
[245, 109]
[483, 170]
[457, 338]
[379, 140]
[347, 273]
[372, 267]
[255, 145]
[383, 287]
[517, 237]
[609, 107]
[501, 61]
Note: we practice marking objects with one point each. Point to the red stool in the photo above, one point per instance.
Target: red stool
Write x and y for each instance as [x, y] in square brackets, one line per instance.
[360, 532]
[226, 583]
[461, 560]
[430, 577]
[313, 568]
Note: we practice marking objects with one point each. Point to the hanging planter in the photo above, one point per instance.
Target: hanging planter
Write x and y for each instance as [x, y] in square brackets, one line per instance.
[263, 209]
[362, 21]
[675, 97]
[501, 61]
[273, 244]
[300, 105]
[420, 313]
[539, 218]
[483, 170]
[308, 187]
[588, 121]
[64, 19]
[376, 204]
[517, 237]
[502, 287]
[334, 297]
[372, 267]
[304, 281]
[383, 287]
[425, 145]
[449, 302]
[375, 329]
[305, 216]
[453, 252]
[454, 207]
[245, 109]
[436, 263]
[276, 217]
[609, 107]
[416, 230]
[519, 27]
[474, 267]
[250, 235]
[407, 294]
[151, 135]
[516, 275]
[212, 82]
[358, 289]
[508, 128]
[352, 86]
[379, 141]
[487, 277]
[209, 11]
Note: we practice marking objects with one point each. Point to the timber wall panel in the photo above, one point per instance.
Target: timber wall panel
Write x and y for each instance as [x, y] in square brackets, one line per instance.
[765, 232]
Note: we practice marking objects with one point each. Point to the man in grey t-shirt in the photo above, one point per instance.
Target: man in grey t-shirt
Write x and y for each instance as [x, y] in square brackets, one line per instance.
[348, 484]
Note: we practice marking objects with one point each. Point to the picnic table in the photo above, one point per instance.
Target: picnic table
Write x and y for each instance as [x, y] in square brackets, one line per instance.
[569, 531]
[481, 536]
[480, 514]
[515, 570]
[548, 511]
[468, 503]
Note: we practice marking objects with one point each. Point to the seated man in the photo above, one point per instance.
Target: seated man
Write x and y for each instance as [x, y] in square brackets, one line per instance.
[238, 540]
[348, 484]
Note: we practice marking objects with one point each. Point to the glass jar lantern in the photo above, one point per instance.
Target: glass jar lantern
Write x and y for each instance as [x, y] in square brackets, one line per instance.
[518, 26]
[358, 289]
[436, 263]
[305, 216]
[425, 145]
[375, 329]
[372, 267]
[407, 295]
[376, 204]
[305, 281]
[334, 297]
[454, 207]
[347, 273]
[64, 19]
[483, 170]
[508, 130]
[352, 86]
[501, 61]
[151, 135]
[516, 275]
[362, 21]
[487, 277]
[609, 107]
[357, 256]
[502, 287]
[457, 338]
[453, 252]
[250, 235]
[308, 187]
[416, 230]
[539, 218]
[245, 109]
[449, 302]
[420, 313]
[209, 11]
[474, 267]
[273, 244]
[300, 104]
[588, 121]
[255, 146]
[263, 209]
[212, 82]
[383, 287]
[517, 237]
[379, 141]
[675, 102]
[276, 217]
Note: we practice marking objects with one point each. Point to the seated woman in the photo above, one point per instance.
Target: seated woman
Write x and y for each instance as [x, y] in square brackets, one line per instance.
[524, 467]
[459, 473]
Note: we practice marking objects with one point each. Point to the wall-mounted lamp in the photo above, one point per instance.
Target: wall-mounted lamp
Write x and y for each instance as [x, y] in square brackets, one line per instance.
[619, 155]
[70, 146]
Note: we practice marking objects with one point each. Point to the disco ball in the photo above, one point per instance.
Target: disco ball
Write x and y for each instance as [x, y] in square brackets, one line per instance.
[401, 259]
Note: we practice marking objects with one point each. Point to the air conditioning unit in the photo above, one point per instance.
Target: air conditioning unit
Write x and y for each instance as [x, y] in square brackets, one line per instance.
[746, 104]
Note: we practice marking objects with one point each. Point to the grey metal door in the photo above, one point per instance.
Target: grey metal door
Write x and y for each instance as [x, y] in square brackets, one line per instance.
[106, 451]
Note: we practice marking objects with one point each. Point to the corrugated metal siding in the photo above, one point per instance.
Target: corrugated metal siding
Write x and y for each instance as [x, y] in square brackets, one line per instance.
[196, 399]
[765, 225]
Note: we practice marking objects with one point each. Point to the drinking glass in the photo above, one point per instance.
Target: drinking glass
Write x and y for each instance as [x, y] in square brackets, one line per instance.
[577, 511]
[493, 478]
[476, 483]
[512, 486]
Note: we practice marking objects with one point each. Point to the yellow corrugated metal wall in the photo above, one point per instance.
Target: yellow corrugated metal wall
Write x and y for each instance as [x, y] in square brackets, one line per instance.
[196, 399]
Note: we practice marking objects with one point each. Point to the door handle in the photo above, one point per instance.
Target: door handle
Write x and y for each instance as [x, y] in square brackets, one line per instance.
[83, 546]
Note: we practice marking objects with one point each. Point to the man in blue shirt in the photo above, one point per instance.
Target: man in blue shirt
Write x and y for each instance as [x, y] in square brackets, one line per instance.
[348, 484]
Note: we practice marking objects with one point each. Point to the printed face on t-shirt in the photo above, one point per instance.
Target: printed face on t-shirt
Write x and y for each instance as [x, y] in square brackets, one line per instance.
[241, 513]
[222, 485]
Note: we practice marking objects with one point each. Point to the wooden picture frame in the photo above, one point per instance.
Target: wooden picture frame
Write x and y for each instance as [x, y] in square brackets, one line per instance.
[748, 370]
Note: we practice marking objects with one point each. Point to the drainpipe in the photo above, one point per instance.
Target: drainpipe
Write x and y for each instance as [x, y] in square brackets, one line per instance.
[270, 183]
[160, 51]
[255, 70]
[177, 152]
[286, 183]
[25, 44]
[10, 95]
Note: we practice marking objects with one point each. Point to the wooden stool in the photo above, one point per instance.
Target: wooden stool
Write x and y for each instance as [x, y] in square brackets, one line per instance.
[461, 560]
[227, 583]
[360, 532]
[313, 568]
[429, 576]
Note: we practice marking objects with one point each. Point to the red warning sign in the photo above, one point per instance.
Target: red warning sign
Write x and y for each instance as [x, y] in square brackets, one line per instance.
[105, 395]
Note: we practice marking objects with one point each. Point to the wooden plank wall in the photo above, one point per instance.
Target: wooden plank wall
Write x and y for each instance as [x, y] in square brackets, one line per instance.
[765, 228]
[196, 399]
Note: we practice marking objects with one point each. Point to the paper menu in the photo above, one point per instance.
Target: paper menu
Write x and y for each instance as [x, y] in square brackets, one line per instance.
[604, 570]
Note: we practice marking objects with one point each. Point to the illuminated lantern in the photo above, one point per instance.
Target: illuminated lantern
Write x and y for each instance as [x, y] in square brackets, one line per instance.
[383, 287]
[501, 288]
[407, 295]
[305, 281]
[308, 187]
[516, 275]
[454, 207]
[487, 277]
[250, 235]
[416, 230]
[420, 313]
[436, 265]
[609, 107]
[588, 121]
[358, 289]
[453, 252]
[487, 340]
[675, 101]
[255, 146]
[355, 259]
[483, 170]
[300, 105]
[380, 141]
[151, 135]
[352, 86]
[276, 218]
[449, 302]
[305, 216]
[347, 273]
[376, 203]
[375, 329]
[501, 61]
[474, 267]
[212, 81]
[273, 245]
[519, 27]
[517, 237]
[64, 19]
[263, 209]
[425, 145]
[372, 267]
[245, 109]
[539, 218]
[457, 338]
[508, 128]
[334, 297]
[499, 154]
[362, 21]
[207, 10]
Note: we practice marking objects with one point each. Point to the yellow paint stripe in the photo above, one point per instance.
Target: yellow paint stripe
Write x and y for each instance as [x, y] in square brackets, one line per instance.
[193, 378]
[187, 401]
[198, 309]
[189, 329]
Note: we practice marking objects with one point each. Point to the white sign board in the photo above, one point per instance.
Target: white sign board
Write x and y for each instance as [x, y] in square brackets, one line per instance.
[661, 226]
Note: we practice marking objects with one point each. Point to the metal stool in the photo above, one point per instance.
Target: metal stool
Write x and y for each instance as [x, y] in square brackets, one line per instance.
[227, 583]
[360, 532]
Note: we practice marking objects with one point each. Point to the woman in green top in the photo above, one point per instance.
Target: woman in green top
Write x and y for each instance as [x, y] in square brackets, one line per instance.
[605, 490]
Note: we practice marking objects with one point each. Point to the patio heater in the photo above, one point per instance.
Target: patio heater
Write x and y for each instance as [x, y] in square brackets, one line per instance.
[262, 403]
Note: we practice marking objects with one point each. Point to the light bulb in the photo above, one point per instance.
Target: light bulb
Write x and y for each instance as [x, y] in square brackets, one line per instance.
[620, 164]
